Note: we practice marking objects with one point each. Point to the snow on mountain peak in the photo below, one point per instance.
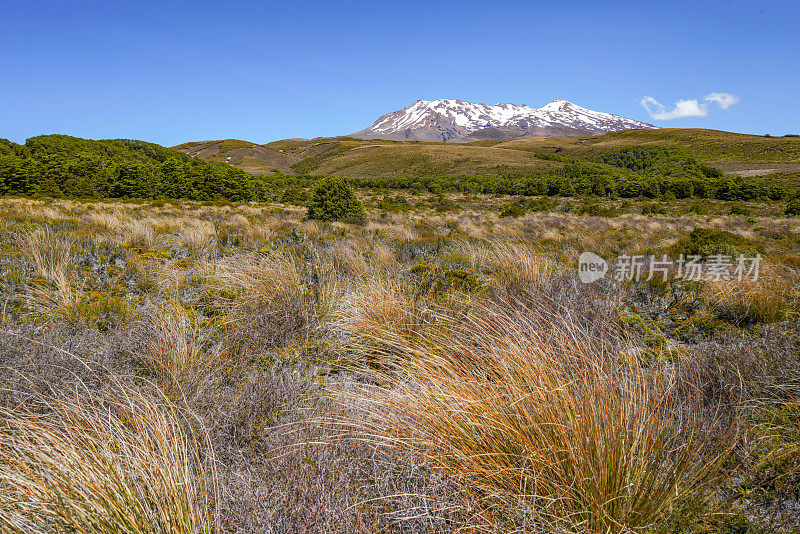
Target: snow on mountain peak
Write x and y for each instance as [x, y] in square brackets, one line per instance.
[446, 119]
[557, 105]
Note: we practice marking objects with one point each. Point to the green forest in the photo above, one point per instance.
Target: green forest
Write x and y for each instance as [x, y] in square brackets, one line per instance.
[63, 166]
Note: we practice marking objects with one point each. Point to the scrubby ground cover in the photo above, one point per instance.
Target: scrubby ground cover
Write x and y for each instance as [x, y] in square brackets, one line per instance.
[438, 367]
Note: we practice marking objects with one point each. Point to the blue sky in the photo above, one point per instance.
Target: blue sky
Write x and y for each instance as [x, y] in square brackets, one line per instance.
[170, 72]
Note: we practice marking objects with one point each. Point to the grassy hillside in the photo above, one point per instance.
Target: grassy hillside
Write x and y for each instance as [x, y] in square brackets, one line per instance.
[746, 155]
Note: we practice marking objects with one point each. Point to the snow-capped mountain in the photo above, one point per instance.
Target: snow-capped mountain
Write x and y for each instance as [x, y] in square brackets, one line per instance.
[459, 121]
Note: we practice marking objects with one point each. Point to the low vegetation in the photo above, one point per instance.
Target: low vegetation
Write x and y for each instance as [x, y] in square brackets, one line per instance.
[410, 363]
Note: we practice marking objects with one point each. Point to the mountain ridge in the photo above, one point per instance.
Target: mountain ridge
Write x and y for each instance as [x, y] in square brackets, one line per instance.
[445, 120]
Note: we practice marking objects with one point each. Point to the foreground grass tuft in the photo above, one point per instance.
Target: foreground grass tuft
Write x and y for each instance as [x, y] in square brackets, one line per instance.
[110, 461]
[544, 418]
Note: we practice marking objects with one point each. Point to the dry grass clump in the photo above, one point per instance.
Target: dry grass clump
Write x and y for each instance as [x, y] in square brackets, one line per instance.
[179, 352]
[509, 263]
[381, 305]
[48, 251]
[543, 418]
[348, 259]
[198, 237]
[106, 220]
[58, 302]
[139, 233]
[745, 302]
[97, 462]
[277, 296]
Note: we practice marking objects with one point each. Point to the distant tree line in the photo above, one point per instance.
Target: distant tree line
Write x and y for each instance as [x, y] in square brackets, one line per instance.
[64, 166]
[641, 171]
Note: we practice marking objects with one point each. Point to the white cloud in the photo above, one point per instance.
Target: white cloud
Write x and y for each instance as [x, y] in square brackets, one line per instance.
[687, 108]
[683, 108]
[725, 100]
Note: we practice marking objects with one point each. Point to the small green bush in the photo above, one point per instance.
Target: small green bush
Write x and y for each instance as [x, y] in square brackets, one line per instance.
[544, 204]
[444, 205]
[294, 194]
[653, 209]
[706, 242]
[699, 208]
[453, 272]
[332, 199]
[512, 210]
[398, 203]
[739, 209]
[102, 310]
[596, 210]
[793, 207]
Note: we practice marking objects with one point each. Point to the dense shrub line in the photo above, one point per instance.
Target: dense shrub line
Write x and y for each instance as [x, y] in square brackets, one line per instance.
[627, 173]
[63, 166]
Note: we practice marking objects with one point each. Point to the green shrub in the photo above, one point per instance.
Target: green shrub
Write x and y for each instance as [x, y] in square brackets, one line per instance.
[332, 199]
[653, 209]
[294, 194]
[443, 205]
[540, 204]
[739, 209]
[512, 210]
[706, 242]
[452, 273]
[102, 310]
[398, 203]
[596, 210]
[793, 207]
[699, 208]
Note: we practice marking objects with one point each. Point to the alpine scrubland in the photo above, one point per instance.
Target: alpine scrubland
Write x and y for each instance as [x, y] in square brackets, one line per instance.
[434, 364]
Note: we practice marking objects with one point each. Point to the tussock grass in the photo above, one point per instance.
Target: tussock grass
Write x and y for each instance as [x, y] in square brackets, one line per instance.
[511, 402]
[96, 462]
[542, 417]
[383, 302]
[287, 292]
[58, 302]
[198, 237]
[107, 220]
[139, 233]
[48, 251]
[510, 263]
[179, 352]
[747, 302]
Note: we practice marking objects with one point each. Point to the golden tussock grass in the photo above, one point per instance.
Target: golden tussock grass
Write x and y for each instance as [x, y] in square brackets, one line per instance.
[139, 233]
[47, 250]
[56, 302]
[510, 263]
[284, 288]
[198, 236]
[107, 220]
[539, 416]
[114, 460]
[178, 352]
[765, 300]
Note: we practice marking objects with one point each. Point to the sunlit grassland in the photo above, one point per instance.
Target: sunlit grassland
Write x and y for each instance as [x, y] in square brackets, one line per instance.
[196, 367]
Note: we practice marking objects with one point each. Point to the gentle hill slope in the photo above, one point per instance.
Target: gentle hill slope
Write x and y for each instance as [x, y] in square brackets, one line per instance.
[346, 156]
